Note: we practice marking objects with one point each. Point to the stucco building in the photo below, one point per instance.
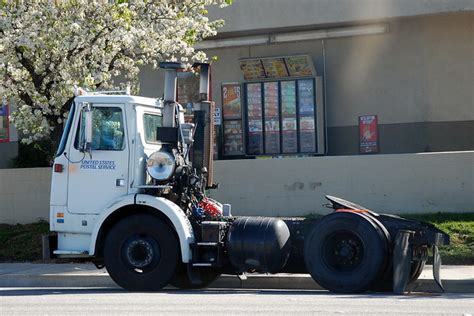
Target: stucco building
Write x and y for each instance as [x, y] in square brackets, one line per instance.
[409, 63]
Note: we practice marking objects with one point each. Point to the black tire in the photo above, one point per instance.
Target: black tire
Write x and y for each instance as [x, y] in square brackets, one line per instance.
[416, 270]
[346, 252]
[141, 253]
[181, 278]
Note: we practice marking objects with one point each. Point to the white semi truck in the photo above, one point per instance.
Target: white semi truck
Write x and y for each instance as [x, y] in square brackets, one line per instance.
[129, 193]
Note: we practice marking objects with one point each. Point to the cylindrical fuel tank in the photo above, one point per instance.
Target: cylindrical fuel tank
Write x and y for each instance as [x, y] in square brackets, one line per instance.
[258, 244]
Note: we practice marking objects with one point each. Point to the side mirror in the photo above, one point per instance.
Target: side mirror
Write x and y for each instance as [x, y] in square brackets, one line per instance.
[86, 128]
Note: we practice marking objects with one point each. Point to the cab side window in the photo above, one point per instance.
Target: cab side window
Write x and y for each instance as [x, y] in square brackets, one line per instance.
[107, 129]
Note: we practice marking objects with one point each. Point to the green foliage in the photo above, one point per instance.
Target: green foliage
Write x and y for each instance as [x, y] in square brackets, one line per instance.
[22, 242]
[460, 228]
[37, 154]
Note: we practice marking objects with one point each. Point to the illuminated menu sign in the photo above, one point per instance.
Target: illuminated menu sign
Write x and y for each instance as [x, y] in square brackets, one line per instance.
[272, 118]
[231, 101]
[274, 67]
[233, 139]
[306, 114]
[299, 66]
[252, 69]
[288, 112]
[277, 67]
[254, 119]
[232, 116]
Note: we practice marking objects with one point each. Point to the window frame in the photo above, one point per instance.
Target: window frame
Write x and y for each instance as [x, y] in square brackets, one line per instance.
[144, 128]
[119, 106]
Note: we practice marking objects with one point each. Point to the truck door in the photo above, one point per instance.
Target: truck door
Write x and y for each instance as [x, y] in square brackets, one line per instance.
[96, 180]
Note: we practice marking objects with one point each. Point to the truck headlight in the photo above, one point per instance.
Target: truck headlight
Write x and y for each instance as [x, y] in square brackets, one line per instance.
[161, 165]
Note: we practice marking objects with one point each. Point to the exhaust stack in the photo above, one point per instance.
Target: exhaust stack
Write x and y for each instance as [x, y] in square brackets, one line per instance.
[203, 117]
[171, 79]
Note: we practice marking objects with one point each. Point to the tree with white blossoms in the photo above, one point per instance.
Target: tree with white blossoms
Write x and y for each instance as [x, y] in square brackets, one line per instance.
[47, 47]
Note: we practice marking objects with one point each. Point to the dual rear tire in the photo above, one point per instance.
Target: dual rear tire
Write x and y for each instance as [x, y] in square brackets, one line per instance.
[346, 252]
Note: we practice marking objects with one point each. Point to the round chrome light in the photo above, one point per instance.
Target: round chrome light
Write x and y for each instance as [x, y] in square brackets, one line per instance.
[160, 165]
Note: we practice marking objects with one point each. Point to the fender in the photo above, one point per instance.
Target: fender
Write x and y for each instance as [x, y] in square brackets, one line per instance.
[172, 211]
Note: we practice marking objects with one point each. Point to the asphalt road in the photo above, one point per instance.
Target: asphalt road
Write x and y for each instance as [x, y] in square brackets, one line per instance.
[100, 301]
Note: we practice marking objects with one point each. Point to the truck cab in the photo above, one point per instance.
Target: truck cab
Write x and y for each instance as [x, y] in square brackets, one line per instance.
[86, 182]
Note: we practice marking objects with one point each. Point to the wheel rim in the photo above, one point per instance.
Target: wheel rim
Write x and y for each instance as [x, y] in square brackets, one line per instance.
[343, 251]
[141, 253]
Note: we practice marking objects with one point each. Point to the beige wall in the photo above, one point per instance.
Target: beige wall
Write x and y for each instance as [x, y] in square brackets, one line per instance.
[409, 183]
[253, 15]
[421, 71]
[24, 195]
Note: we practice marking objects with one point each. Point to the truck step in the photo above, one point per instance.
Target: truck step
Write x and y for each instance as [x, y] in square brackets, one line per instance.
[209, 243]
[203, 265]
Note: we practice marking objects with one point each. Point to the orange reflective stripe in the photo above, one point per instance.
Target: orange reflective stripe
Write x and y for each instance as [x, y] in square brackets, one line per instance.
[351, 211]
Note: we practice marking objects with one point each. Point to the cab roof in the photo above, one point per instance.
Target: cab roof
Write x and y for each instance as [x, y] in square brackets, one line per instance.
[113, 98]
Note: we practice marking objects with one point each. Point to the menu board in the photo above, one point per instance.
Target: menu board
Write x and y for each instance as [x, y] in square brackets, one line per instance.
[233, 139]
[306, 97]
[306, 106]
[252, 69]
[231, 101]
[272, 118]
[4, 125]
[277, 67]
[288, 112]
[368, 134]
[254, 119]
[299, 66]
[274, 67]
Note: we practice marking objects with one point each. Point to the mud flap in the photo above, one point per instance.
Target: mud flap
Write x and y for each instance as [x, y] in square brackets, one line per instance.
[402, 256]
[194, 277]
[437, 267]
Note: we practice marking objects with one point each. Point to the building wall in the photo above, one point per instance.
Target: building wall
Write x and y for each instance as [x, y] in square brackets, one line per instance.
[245, 16]
[417, 78]
[24, 195]
[408, 183]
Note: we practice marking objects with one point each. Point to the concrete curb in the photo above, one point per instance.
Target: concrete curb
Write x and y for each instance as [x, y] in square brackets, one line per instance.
[257, 281]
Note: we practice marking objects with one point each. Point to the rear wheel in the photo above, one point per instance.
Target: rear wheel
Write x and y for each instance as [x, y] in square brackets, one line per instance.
[416, 270]
[141, 253]
[346, 252]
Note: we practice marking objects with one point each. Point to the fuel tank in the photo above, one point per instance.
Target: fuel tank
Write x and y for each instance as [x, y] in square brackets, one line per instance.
[258, 244]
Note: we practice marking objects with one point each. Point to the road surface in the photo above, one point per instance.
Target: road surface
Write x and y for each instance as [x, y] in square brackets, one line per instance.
[108, 301]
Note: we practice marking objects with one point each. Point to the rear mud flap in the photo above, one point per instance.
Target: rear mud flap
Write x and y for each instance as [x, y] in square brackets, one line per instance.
[402, 256]
[437, 267]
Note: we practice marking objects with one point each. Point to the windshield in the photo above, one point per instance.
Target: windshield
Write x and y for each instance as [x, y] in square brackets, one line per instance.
[67, 128]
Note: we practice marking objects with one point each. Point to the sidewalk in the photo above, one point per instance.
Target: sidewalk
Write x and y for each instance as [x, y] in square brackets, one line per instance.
[456, 279]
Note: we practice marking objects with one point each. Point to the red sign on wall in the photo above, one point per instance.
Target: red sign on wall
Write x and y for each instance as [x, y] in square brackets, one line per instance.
[368, 134]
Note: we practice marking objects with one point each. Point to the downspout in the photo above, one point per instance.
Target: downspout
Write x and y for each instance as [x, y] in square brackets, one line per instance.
[326, 145]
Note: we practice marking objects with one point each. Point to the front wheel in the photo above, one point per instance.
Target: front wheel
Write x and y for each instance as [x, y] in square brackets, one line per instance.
[141, 253]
